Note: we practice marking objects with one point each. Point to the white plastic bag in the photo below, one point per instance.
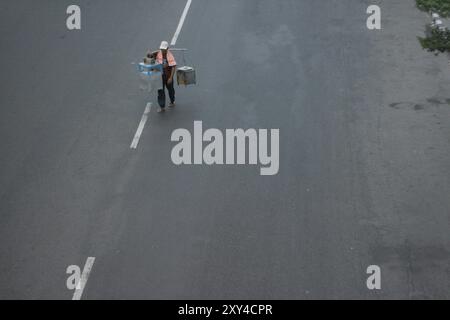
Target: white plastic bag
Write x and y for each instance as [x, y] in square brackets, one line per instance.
[150, 83]
[150, 77]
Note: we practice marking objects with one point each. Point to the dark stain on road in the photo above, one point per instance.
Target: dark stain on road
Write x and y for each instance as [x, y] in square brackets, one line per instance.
[430, 102]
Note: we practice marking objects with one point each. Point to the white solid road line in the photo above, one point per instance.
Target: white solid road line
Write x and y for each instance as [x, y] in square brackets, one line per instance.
[84, 278]
[141, 126]
[180, 24]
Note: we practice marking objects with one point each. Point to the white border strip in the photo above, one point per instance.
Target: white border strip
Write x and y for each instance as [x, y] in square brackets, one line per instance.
[180, 24]
[141, 126]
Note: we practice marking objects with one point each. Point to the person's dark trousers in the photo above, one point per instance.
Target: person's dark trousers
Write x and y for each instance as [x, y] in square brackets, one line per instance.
[162, 92]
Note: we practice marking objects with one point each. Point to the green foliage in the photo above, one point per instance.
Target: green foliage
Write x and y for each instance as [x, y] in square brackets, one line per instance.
[437, 41]
[439, 6]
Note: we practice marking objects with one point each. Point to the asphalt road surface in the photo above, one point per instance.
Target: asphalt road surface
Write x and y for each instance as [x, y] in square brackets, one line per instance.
[364, 173]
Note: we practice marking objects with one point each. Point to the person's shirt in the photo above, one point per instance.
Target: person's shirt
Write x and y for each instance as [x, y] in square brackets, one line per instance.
[168, 62]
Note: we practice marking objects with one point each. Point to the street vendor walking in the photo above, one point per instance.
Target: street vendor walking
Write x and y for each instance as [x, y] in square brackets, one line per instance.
[164, 57]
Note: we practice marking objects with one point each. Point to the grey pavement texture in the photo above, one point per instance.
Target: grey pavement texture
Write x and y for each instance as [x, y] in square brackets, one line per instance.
[364, 153]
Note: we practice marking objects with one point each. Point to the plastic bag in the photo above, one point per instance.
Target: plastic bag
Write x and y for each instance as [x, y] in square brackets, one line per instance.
[150, 82]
